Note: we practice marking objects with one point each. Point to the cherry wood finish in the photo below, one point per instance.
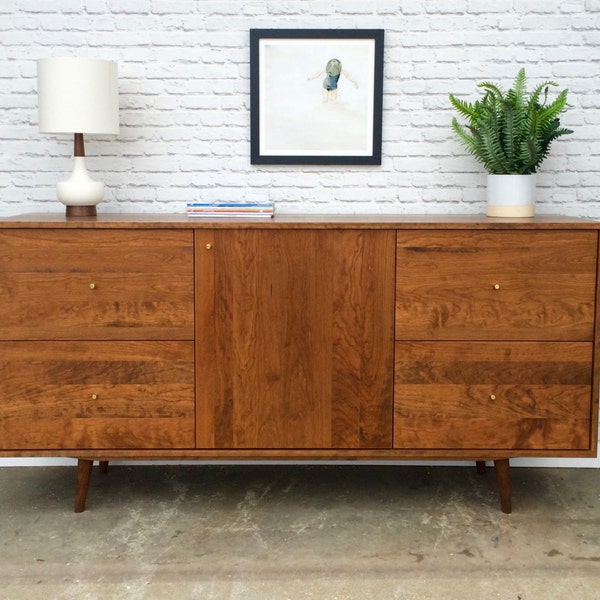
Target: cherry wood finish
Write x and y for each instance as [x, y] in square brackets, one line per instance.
[493, 395]
[503, 285]
[95, 395]
[78, 145]
[300, 337]
[300, 324]
[502, 467]
[81, 211]
[179, 221]
[111, 285]
[84, 474]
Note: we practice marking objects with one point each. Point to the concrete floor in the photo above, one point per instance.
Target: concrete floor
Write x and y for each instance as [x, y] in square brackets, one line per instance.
[279, 532]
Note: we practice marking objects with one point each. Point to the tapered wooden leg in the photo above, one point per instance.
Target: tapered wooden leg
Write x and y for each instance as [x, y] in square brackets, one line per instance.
[84, 472]
[103, 466]
[480, 467]
[503, 479]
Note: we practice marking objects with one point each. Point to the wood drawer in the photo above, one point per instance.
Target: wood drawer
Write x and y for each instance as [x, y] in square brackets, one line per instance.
[96, 395]
[96, 284]
[504, 285]
[488, 395]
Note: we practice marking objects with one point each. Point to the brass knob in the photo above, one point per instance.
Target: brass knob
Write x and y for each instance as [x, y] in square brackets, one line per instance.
[94, 396]
[492, 396]
[92, 286]
[496, 286]
[208, 246]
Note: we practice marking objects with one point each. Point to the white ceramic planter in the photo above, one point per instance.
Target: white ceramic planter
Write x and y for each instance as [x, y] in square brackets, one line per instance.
[511, 195]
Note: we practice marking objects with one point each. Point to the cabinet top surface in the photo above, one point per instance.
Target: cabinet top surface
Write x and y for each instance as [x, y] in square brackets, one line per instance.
[293, 221]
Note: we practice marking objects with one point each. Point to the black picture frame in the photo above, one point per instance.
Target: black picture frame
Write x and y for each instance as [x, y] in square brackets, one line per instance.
[305, 108]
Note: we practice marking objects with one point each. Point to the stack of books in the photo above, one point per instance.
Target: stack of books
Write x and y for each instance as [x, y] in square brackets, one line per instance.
[230, 209]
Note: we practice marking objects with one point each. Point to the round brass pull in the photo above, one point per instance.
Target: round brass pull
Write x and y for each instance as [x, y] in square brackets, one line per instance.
[92, 286]
[496, 286]
[492, 396]
[94, 396]
[208, 246]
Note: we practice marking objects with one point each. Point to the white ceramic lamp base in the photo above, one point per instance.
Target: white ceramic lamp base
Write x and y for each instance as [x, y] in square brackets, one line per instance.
[80, 193]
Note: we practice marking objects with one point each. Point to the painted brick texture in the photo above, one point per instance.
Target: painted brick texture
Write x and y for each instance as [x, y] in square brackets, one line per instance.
[184, 101]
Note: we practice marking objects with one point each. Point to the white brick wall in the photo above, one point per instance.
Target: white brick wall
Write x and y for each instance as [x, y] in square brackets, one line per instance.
[184, 96]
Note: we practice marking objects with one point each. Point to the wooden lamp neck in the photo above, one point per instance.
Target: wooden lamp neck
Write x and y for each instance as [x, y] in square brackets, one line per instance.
[78, 149]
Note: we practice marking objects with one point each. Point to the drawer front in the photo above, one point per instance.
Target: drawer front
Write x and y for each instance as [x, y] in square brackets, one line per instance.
[504, 285]
[96, 395]
[488, 395]
[96, 284]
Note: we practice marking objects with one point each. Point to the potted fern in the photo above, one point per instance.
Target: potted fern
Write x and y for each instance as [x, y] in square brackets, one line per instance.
[510, 134]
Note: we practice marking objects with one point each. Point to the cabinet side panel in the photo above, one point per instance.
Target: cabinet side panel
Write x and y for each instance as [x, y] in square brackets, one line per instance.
[596, 361]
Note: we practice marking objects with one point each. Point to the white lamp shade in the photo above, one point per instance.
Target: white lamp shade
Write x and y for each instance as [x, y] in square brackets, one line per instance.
[77, 95]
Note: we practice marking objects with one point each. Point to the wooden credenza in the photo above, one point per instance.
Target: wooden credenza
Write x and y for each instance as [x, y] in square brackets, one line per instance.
[300, 337]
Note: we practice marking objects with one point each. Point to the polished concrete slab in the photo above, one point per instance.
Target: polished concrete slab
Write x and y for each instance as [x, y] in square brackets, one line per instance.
[279, 532]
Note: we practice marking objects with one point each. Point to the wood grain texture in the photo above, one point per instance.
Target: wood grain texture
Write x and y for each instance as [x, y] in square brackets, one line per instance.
[96, 395]
[296, 347]
[272, 454]
[294, 328]
[173, 221]
[493, 395]
[596, 365]
[504, 488]
[504, 285]
[84, 473]
[82, 285]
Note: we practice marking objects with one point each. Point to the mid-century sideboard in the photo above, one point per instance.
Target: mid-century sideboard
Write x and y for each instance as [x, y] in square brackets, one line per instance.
[298, 337]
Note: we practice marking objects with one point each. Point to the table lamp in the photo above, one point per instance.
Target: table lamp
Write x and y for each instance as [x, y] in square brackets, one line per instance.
[78, 95]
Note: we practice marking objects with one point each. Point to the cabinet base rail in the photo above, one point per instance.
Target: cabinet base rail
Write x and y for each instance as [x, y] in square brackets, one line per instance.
[502, 468]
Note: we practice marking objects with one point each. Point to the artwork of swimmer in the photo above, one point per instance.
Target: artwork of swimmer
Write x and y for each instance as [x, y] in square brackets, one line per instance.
[332, 71]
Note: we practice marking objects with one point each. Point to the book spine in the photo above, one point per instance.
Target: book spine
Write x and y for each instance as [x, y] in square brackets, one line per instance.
[221, 215]
[229, 205]
[230, 209]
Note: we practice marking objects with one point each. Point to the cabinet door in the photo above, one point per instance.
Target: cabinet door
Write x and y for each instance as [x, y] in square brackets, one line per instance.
[96, 284]
[294, 338]
[96, 395]
[503, 285]
[493, 395]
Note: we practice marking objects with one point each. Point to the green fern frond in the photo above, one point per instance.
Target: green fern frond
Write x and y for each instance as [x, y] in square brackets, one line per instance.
[494, 89]
[464, 108]
[466, 139]
[520, 85]
[562, 131]
[510, 132]
[551, 111]
[535, 95]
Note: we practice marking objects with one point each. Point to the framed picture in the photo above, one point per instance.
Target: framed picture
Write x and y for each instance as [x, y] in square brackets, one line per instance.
[316, 96]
